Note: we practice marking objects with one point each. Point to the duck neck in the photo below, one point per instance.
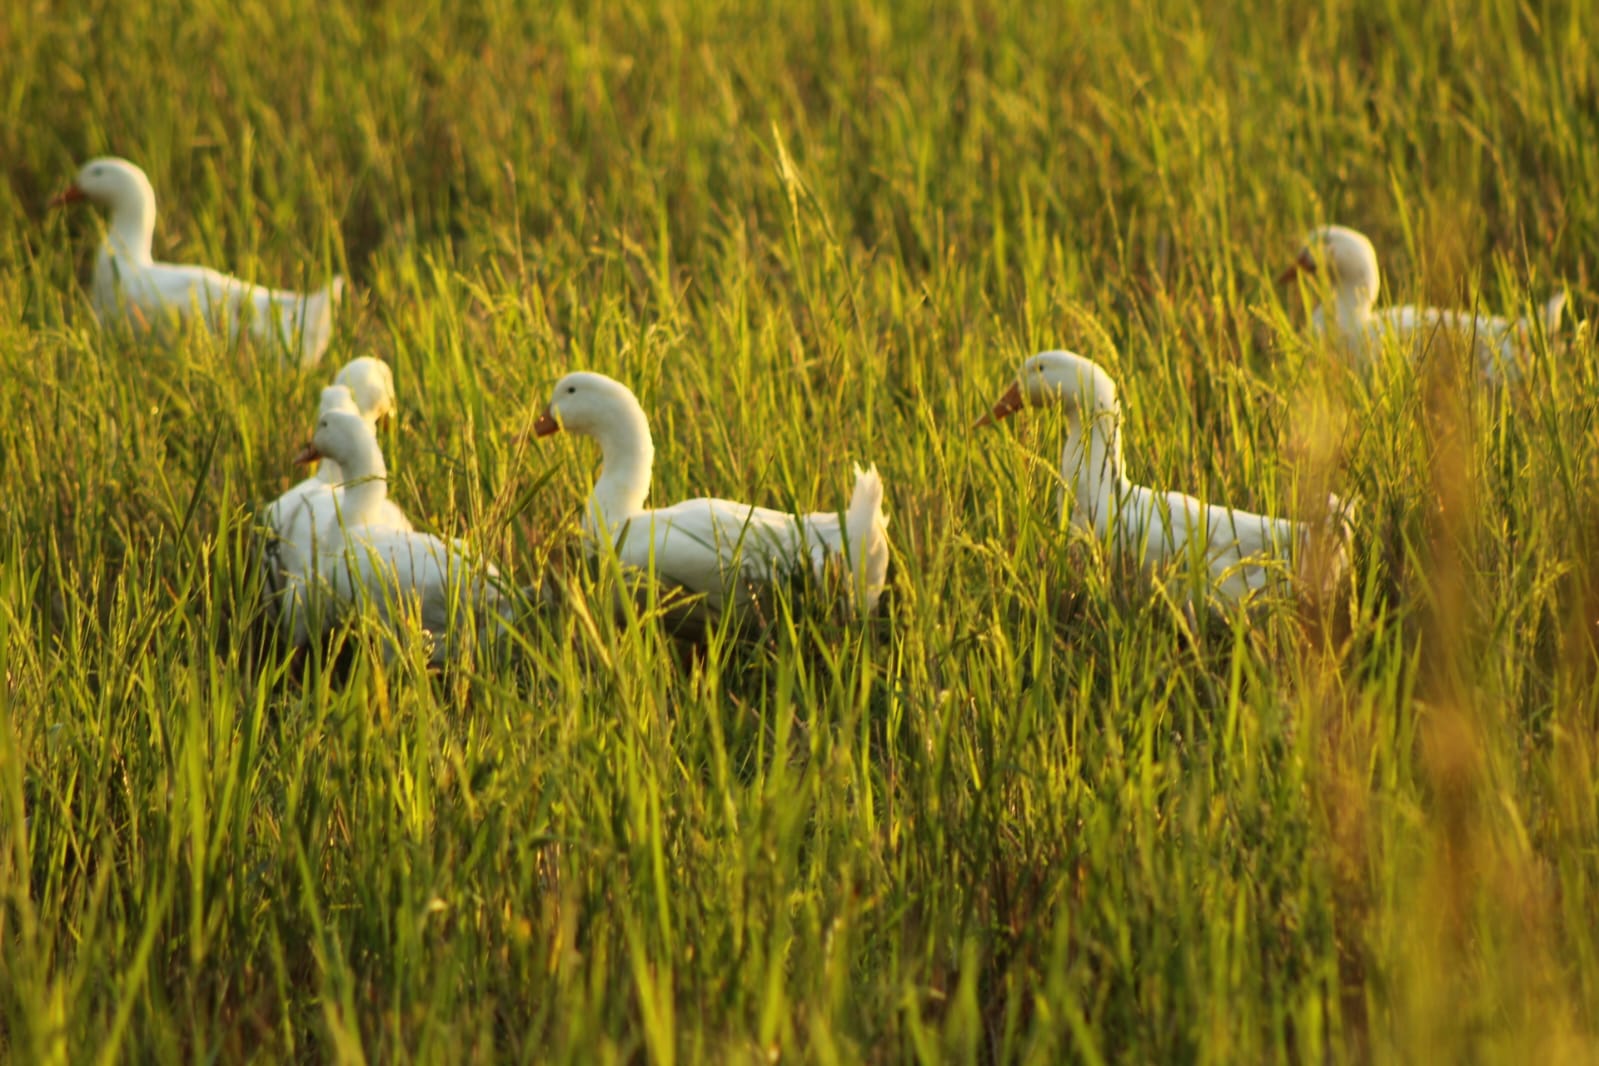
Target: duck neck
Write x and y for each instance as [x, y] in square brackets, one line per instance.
[1355, 297]
[365, 479]
[1092, 462]
[627, 454]
[131, 227]
[1354, 308]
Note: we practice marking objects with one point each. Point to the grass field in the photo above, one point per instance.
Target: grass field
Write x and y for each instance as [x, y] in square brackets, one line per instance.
[1031, 813]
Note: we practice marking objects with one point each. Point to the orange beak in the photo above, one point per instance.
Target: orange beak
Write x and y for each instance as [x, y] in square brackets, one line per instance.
[70, 195]
[1305, 262]
[307, 454]
[546, 424]
[1008, 405]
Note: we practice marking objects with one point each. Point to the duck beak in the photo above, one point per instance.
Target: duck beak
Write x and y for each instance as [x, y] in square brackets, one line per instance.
[1008, 405]
[307, 454]
[70, 195]
[1306, 262]
[546, 424]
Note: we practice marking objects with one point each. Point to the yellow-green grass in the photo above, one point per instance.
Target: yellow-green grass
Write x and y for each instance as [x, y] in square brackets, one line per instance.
[1035, 812]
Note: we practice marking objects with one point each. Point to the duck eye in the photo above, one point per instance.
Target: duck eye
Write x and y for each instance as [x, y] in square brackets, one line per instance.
[571, 389]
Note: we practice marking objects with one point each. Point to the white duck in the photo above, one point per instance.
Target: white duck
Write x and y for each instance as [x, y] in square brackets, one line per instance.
[711, 546]
[1350, 263]
[365, 387]
[1241, 552]
[130, 285]
[404, 575]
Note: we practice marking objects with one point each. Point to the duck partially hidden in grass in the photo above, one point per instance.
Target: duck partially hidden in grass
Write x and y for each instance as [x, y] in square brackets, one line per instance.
[364, 387]
[1349, 263]
[407, 578]
[724, 550]
[1166, 532]
[151, 297]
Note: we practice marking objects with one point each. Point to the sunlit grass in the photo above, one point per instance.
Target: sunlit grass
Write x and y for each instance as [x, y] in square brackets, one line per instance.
[1035, 811]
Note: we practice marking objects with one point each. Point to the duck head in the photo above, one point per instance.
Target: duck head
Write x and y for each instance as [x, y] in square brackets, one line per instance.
[109, 182]
[587, 403]
[1054, 378]
[371, 382]
[342, 435]
[1345, 257]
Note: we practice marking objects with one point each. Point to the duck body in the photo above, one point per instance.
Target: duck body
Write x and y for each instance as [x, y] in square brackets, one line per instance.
[154, 299]
[1239, 551]
[723, 549]
[1236, 553]
[411, 579]
[1499, 346]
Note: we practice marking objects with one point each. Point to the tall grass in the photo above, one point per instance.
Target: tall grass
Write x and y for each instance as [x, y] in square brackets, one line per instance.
[1036, 811]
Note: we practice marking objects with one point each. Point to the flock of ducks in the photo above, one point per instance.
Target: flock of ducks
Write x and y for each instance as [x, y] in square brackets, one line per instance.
[340, 545]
